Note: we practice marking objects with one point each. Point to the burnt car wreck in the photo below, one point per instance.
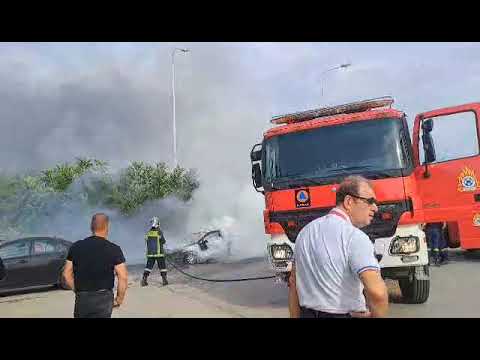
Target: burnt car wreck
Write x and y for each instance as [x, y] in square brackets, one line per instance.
[202, 247]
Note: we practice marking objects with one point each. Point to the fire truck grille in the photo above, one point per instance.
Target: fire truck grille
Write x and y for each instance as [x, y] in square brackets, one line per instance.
[384, 223]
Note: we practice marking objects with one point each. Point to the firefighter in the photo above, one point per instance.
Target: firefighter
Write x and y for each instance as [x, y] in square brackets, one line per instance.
[437, 242]
[154, 244]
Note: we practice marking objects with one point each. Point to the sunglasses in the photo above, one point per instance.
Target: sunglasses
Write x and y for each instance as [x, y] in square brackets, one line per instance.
[369, 201]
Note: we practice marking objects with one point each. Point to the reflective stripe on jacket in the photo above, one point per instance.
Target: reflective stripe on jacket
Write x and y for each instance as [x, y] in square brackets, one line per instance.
[154, 240]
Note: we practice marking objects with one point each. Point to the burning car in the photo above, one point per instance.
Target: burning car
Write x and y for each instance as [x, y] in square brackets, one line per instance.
[207, 246]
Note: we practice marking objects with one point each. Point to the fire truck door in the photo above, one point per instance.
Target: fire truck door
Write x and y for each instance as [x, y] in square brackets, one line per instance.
[448, 177]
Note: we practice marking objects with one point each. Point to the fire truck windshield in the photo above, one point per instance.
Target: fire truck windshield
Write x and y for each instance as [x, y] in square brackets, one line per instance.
[373, 148]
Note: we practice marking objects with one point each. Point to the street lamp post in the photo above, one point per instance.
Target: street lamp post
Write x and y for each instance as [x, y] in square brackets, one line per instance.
[173, 104]
[342, 66]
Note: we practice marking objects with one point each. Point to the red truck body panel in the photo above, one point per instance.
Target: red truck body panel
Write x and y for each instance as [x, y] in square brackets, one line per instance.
[439, 197]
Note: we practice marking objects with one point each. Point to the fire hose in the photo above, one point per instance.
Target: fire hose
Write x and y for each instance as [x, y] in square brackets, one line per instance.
[217, 280]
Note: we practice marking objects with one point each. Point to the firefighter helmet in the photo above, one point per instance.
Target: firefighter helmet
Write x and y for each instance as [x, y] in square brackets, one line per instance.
[155, 222]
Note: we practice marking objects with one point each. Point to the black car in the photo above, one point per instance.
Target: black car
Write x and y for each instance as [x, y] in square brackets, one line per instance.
[33, 262]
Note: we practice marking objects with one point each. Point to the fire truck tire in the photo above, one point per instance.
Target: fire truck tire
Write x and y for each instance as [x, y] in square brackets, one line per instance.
[415, 291]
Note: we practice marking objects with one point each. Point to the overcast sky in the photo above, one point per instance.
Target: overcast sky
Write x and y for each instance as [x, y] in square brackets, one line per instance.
[112, 101]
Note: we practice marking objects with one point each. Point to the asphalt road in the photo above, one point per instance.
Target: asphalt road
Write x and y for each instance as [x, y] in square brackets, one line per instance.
[455, 290]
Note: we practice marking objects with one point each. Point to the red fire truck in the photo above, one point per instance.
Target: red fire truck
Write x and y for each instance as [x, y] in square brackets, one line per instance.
[300, 163]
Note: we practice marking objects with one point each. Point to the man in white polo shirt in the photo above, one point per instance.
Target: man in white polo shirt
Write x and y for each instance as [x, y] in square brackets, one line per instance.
[335, 269]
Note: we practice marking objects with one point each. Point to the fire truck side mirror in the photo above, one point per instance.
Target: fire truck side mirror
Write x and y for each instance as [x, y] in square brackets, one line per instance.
[256, 155]
[428, 148]
[257, 175]
[427, 141]
[427, 126]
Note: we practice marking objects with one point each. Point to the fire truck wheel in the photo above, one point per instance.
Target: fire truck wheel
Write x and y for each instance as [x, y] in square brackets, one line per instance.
[415, 291]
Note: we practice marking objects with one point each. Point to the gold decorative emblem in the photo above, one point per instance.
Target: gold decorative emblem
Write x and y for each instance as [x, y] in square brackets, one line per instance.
[467, 181]
[476, 220]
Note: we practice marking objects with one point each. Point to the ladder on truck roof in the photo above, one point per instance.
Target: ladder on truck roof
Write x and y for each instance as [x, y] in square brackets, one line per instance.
[349, 108]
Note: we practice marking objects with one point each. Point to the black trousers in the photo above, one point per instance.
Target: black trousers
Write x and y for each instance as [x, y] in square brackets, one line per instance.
[151, 262]
[93, 304]
[315, 314]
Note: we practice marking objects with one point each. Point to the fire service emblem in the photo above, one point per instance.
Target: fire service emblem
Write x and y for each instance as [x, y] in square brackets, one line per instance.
[476, 220]
[467, 181]
[302, 198]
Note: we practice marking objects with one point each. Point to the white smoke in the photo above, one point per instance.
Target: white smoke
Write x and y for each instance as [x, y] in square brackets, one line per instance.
[113, 102]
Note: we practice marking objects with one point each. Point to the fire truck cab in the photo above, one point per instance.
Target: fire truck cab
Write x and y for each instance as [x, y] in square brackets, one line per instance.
[301, 161]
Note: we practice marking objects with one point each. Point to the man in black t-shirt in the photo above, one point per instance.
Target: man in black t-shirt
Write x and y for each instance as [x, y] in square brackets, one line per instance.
[3, 272]
[89, 271]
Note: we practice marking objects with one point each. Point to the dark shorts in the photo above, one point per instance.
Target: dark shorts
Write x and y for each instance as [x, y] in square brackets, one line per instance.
[93, 304]
[315, 314]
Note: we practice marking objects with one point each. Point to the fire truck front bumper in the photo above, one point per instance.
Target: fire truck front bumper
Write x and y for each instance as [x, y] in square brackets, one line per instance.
[406, 248]
[280, 253]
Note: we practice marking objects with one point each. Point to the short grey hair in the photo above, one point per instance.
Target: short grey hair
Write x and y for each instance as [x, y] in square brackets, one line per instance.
[99, 222]
[350, 185]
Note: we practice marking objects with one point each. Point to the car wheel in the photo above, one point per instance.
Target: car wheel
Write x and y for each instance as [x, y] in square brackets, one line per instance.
[190, 258]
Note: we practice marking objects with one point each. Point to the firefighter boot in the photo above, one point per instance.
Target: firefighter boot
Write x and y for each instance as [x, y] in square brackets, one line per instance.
[443, 257]
[164, 279]
[144, 279]
[436, 257]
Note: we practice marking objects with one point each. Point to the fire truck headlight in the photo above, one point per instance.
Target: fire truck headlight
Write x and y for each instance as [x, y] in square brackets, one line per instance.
[404, 245]
[281, 252]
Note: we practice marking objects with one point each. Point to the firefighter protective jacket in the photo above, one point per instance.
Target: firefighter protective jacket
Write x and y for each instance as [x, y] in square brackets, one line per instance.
[155, 241]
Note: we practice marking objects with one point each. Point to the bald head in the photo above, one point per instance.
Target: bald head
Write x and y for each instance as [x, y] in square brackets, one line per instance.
[99, 225]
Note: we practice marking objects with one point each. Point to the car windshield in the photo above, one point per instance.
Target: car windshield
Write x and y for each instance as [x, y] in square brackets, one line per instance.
[361, 147]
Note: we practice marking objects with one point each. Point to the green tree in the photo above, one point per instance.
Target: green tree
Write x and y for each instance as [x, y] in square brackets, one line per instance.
[141, 182]
[28, 201]
[62, 176]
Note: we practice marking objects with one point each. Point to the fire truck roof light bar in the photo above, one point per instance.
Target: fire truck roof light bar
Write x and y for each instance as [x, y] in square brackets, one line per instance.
[354, 107]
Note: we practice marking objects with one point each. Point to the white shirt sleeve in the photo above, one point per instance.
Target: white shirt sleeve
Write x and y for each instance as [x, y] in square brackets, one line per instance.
[361, 254]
